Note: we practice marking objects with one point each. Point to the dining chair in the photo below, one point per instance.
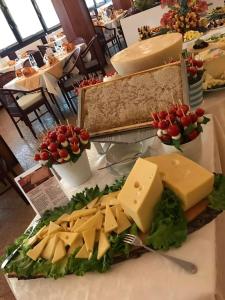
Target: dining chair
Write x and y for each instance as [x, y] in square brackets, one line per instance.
[6, 77]
[68, 80]
[94, 65]
[108, 36]
[19, 104]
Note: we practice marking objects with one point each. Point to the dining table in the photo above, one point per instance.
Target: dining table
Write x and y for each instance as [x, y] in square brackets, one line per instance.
[149, 276]
[46, 76]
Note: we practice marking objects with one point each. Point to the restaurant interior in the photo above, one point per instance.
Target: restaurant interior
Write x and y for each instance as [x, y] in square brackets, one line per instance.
[112, 138]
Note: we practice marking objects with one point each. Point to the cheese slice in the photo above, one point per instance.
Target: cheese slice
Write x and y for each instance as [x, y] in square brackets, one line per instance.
[93, 222]
[189, 181]
[76, 244]
[68, 237]
[122, 220]
[62, 219]
[52, 228]
[140, 193]
[93, 203]
[37, 250]
[110, 221]
[49, 250]
[89, 239]
[77, 223]
[110, 199]
[83, 253]
[82, 213]
[103, 245]
[60, 251]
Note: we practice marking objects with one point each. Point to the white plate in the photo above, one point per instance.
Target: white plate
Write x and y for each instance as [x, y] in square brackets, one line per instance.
[214, 90]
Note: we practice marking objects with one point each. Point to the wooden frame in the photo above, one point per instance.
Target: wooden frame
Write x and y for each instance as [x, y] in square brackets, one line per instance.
[82, 100]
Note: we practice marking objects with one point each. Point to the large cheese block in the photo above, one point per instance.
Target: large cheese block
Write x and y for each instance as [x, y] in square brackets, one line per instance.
[189, 181]
[148, 54]
[141, 191]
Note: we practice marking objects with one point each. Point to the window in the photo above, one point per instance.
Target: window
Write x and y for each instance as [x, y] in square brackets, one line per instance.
[48, 12]
[90, 3]
[7, 36]
[24, 16]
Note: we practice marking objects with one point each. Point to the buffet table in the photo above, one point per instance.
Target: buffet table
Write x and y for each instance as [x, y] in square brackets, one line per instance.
[149, 277]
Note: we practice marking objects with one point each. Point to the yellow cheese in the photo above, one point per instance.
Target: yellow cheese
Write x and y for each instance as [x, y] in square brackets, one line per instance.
[78, 222]
[68, 237]
[60, 251]
[93, 222]
[76, 244]
[62, 219]
[93, 203]
[49, 250]
[103, 245]
[37, 250]
[141, 191]
[32, 240]
[122, 220]
[52, 228]
[82, 213]
[64, 226]
[189, 181]
[148, 54]
[110, 223]
[110, 199]
[89, 239]
[83, 253]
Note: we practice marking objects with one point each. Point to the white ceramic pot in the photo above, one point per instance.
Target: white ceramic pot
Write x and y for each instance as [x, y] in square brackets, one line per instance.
[191, 150]
[74, 174]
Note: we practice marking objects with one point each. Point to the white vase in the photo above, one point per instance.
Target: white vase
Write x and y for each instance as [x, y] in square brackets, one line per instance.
[73, 174]
[191, 149]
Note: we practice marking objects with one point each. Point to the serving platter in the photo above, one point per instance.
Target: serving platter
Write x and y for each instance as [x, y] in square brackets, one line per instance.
[214, 89]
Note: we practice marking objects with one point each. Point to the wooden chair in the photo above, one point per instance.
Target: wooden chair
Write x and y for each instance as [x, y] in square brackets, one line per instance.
[6, 77]
[19, 104]
[107, 36]
[67, 81]
[93, 66]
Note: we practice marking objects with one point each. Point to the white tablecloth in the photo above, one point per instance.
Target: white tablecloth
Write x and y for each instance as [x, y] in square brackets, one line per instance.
[149, 277]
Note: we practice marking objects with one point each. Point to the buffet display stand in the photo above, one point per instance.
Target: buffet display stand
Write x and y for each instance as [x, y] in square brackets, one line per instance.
[149, 276]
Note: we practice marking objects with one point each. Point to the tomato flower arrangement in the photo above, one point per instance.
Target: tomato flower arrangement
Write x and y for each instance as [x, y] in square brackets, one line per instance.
[178, 125]
[62, 144]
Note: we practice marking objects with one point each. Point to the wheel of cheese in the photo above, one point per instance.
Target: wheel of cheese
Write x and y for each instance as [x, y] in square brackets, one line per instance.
[148, 54]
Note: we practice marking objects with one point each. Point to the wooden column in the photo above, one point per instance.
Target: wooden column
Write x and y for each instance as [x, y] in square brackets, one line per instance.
[76, 22]
[124, 4]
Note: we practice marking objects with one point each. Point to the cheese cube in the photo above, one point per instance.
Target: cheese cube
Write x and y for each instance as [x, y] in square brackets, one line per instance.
[49, 250]
[141, 191]
[189, 181]
[37, 250]
[60, 251]
[103, 245]
[110, 221]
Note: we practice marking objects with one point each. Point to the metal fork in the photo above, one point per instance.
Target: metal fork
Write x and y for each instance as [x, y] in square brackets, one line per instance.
[7, 260]
[136, 241]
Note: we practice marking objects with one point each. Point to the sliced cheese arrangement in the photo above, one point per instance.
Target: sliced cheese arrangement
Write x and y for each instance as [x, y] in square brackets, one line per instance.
[80, 231]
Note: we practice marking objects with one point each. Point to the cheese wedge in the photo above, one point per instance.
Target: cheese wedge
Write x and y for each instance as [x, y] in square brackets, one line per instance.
[93, 222]
[82, 213]
[68, 237]
[89, 239]
[103, 245]
[76, 244]
[49, 250]
[37, 250]
[77, 223]
[110, 221]
[189, 181]
[122, 220]
[52, 228]
[110, 199]
[83, 253]
[140, 193]
[60, 251]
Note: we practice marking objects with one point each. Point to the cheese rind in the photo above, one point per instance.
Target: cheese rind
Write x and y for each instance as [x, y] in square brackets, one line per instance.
[141, 191]
[188, 180]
